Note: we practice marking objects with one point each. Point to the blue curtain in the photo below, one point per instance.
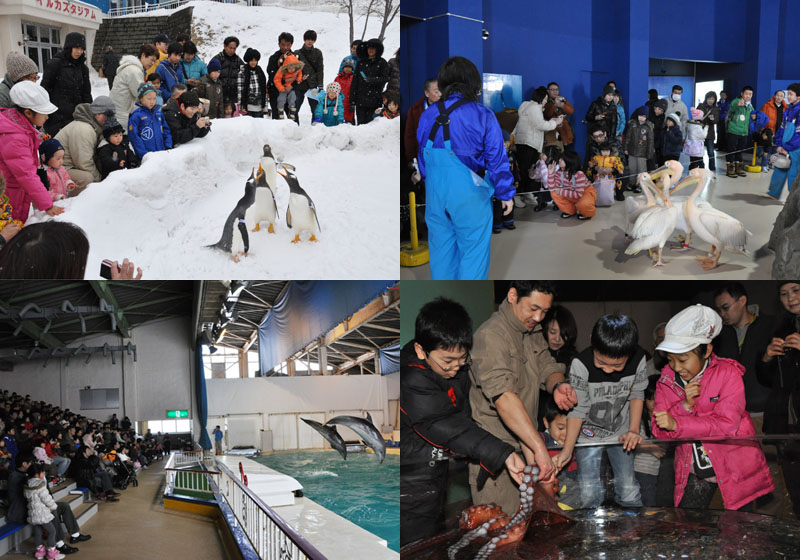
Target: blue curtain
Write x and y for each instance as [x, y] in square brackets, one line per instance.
[309, 309]
[200, 394]
[390, 359]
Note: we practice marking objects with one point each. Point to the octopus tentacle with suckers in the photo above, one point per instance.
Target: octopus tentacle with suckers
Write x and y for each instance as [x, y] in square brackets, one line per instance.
[489, 521]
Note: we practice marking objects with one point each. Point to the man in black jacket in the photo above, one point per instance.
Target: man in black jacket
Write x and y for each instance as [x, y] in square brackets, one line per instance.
[66, 79]
[369, 78]
[744, 337]
[285, 41]
[603, 111]
[436, 418]
[313, 71]
[110, 65]
[184, 120]
[229, 75]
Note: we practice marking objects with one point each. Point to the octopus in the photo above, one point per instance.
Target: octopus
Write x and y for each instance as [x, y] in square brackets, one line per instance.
[489, 521]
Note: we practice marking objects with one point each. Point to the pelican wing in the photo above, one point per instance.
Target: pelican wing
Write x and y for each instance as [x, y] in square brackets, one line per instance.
[729, 231]
[652, 228]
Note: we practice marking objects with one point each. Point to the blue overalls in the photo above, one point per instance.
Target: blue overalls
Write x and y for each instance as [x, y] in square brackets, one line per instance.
[458, 209]
[780, 175]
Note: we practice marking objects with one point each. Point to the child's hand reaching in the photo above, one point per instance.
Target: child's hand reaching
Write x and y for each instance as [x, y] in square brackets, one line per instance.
[665, 421]
[630, 440]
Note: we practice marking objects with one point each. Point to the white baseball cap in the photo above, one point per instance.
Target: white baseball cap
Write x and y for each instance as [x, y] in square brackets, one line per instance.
[690, 328]
[29, 95]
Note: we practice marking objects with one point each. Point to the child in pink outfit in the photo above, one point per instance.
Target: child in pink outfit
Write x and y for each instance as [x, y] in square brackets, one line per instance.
[52, 156]
[700, 395]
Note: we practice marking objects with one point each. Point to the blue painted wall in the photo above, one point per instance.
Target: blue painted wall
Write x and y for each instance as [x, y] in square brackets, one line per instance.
[581, 44]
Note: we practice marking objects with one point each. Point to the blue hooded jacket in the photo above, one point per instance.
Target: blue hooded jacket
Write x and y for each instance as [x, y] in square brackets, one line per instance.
[760, 121]
[148, 130]
[169, 77]
[790, 115]
[328, 118]
[476, 139]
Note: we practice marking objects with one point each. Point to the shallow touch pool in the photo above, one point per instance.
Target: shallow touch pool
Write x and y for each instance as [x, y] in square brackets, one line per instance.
[359, 489]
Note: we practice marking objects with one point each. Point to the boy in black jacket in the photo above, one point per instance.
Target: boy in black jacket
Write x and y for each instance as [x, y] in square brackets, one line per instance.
[114, 154]
[436, 417]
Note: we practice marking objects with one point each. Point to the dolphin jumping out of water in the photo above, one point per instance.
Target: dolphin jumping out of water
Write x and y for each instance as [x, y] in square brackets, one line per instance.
[366, 430]
[331, 435]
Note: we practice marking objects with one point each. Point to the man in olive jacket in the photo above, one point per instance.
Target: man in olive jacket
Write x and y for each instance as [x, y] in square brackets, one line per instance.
[435, 420]
[510, 363]
[313, 71]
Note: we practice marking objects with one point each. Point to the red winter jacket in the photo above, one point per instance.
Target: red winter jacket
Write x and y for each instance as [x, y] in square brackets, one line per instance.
[345, 80]
[740, 467]
[412, 123]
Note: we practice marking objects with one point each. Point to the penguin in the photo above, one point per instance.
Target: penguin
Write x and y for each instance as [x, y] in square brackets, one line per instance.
[265, 208]
[234, 232]
[301, 213]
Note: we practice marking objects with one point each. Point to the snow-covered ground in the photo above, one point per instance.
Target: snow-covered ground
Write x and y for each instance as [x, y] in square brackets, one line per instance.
[162, 215]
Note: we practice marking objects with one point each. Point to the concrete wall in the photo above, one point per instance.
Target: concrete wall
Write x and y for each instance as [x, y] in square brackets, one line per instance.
[127, 34]
[159, 380]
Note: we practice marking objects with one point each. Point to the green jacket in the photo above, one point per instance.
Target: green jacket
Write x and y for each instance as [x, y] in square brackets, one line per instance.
[739, 118]
[5, 92]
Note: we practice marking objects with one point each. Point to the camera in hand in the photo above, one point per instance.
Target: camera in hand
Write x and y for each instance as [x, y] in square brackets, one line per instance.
[105, 268]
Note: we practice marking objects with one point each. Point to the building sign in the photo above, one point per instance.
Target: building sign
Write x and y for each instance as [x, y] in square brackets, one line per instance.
[70, 8]
[177, 414]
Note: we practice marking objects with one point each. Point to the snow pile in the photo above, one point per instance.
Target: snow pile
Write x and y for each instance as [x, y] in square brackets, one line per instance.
[162, 215]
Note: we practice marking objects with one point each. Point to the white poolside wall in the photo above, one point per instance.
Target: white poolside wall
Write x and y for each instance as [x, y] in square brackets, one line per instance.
[159, 380]
[266, 412]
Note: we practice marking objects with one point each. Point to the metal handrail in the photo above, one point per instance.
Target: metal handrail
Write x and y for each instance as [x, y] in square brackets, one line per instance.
[257, 540]
[167, 5]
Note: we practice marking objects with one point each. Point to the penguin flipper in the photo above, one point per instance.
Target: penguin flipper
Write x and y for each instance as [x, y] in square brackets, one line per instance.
[314, 211]
[275, 204]
[288, 217]
[225, 242]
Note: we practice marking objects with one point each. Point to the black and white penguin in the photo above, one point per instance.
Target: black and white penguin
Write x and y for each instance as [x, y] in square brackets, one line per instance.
[301, 215]
[235, 239]
[265, 208]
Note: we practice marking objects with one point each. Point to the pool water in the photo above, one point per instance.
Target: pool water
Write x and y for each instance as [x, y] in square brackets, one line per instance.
[359, 489]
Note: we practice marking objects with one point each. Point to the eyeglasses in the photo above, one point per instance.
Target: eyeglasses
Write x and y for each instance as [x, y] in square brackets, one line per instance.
[467, 361]
[598, 135]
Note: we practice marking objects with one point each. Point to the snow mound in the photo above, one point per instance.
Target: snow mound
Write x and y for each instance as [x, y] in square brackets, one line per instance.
[164, 214]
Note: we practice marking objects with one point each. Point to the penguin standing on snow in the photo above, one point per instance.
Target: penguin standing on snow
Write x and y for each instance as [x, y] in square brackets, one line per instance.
[265, 208]
[301, 215]
[235, 239]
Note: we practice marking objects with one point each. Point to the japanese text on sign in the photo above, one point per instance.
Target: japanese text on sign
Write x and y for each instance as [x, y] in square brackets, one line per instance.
[70, 8]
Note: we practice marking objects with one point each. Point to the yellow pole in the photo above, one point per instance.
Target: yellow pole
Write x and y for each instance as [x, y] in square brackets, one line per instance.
[412, 207]
[754, 155]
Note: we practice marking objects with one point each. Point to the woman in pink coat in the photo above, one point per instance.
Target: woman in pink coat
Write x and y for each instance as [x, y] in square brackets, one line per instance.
[19, 157]
[700, 395]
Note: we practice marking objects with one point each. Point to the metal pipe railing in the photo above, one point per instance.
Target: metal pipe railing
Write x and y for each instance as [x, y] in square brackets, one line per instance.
[269, 535]
[167, 5]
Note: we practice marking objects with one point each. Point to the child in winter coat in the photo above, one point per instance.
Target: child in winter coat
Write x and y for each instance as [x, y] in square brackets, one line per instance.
[571, 190]
[155, 79]
[330, 108]
[112, 153]
[391, 105]
[695, 143]
[170, 70]
[701, 395]
[639, 143]
[51, 153]
[9, 227]
[345, 80]
[147, 128]
[603, 170]
[290, 73]
[252, 86]
[764, 145]
[41, 506]
[673, 137]
[210, 88]
[657, 117]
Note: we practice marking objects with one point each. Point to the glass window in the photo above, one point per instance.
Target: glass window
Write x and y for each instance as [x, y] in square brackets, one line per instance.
[33, 52]
[224, 357]
[32, 33]
[252, 364]
[55, 34]
[183, 425]
[170, 426]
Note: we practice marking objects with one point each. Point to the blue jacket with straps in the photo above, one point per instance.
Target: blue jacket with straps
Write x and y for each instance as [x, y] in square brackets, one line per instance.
[790, 115]
[148, 130]
[476, 139]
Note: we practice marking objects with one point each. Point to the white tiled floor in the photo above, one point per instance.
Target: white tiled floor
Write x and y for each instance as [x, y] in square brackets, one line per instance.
[545, 246]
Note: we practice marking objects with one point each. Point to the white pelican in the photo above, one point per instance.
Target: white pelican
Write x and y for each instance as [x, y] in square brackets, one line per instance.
[655, 224]
[634, 205]
[722, 230]
[695, 176]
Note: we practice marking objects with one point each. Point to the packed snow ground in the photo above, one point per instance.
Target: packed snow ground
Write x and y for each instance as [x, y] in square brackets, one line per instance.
[164, 214]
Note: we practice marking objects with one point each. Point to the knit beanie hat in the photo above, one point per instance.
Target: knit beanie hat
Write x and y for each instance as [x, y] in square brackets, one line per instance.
[250, 54]
[73, 40]
[48, 148]
[112, 126]
[214, 65]
[103, 104]
[337, 89]
[18, 66]
[643, 110]
[145, 88]
[607, 90]
[348, 62]
[675, 117]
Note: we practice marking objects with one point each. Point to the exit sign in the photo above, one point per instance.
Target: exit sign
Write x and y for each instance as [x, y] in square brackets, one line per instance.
[177, 414]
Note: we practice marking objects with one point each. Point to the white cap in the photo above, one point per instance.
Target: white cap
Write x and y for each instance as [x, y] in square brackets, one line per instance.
[29, 95]
[690, 328]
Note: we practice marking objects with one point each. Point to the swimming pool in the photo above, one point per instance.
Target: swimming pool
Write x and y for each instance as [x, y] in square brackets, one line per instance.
[359, 489]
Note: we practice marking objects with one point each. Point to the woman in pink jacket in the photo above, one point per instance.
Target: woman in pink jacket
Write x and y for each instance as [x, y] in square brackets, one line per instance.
[19, 157]
[700, 395]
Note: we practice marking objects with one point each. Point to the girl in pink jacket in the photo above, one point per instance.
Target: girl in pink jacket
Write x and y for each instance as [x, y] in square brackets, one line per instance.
[52, 155]
[700, 395]
[20, 140]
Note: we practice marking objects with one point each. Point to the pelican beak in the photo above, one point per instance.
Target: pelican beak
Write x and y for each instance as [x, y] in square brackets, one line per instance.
[686, 182]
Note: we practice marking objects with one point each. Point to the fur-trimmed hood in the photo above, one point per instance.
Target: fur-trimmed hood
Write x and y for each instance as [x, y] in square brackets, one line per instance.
[362, 53]
[291, 64]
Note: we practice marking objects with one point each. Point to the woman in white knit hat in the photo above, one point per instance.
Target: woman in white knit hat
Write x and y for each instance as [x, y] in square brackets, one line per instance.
[699, 396]
[18, 67]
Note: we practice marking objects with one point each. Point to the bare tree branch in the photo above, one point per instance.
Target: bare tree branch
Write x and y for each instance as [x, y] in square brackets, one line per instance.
[348, 6]
[390, 10]
[371, 9]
